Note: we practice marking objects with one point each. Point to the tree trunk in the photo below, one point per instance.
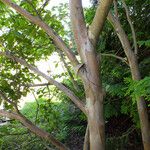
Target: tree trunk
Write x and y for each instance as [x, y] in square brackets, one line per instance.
[133, 63]
[96, 121]
[141, 105]
[90, 68]
[94, 105]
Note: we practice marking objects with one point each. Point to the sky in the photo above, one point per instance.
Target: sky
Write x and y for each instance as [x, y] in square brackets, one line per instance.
[85, 3]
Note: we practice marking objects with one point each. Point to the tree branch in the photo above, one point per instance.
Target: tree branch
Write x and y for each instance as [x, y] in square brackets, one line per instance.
[85, 46]
[39, 132]
[131, 26]
[8, 100]
[62, 58]
[40, 84]
[122, 36]
[31, 4]
[37, 108]
[115, 56]
[99, 19]
[36, 20]
[78, 26]
[60, 86]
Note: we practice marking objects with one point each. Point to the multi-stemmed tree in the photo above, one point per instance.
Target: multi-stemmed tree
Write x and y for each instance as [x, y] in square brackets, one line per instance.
[87, 67]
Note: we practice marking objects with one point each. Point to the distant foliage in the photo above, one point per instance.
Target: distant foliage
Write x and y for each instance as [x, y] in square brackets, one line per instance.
[138, 88]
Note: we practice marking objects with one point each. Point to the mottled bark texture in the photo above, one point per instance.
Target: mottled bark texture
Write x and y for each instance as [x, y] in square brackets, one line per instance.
[86, 41]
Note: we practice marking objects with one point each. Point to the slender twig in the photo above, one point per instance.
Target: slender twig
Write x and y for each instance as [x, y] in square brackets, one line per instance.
[35, 85]
[44, 4]
[131, 26]
[115, 56]
[75, 84]
[37, 109]
[37, 13]
[49, 94]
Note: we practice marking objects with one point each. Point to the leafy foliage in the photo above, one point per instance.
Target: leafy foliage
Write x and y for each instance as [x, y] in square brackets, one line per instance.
[139, 88]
